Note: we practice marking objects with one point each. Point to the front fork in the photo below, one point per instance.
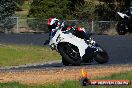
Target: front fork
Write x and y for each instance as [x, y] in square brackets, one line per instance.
[94, 45]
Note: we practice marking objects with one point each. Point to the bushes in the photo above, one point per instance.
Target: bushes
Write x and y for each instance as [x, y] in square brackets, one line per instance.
[7, 9]
[50, 8]
[7, 24]
[85, 12]
[37, 24]
[44, 9]
[106, 11]
[68, 9]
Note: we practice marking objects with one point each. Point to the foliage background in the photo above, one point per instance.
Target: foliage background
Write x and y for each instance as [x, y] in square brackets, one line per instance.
[85, 10]
[7, 9]
[78, 9]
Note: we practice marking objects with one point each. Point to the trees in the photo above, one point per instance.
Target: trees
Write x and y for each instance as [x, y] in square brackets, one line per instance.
[19, 4]
[45, 9]
[66, 9]
[76, 3]
[127, 3]
[85, 11]
[50, 8]
[7, 9]
[77, 9]
[106, 11]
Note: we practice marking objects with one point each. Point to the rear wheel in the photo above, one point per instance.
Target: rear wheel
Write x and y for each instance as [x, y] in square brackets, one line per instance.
[101, 57]
[121, 28]
[70, 54]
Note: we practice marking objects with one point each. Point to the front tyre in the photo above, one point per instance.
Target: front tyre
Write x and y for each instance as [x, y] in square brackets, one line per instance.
[70, 54]
[102, 57]
[64, 62]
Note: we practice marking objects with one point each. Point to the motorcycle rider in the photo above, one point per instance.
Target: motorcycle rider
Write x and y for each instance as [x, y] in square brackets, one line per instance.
[54, 25]
[128, 18]
[129, 11]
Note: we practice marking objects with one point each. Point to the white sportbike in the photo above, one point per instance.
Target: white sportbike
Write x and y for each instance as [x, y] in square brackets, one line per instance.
[74, 50]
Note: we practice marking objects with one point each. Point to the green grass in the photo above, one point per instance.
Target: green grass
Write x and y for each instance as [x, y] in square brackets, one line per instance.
[13, 85]
[66, 84]
[72, 84]
[125, 75]
[12, 55]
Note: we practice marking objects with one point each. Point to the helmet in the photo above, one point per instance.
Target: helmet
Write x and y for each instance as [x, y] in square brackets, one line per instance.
[130, 9]
[53, 23]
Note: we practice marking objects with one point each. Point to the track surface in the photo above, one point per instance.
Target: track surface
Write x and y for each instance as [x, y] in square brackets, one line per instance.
[118, 47]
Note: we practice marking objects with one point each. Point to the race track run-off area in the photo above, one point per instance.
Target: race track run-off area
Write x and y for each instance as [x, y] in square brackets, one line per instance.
[119, 49]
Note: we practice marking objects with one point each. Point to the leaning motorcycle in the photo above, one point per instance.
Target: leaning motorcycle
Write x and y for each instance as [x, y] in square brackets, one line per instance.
[124, 25]
[74, 50]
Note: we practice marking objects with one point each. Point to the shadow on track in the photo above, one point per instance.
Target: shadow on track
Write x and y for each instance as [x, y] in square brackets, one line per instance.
[45, 66]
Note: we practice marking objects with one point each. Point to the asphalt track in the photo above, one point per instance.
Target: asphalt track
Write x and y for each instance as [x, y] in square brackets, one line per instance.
[119, 49]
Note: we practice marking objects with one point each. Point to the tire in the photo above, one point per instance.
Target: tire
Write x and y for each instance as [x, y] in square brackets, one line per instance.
[101, 57]
[64, 52]
[121, 30]
[65, 62]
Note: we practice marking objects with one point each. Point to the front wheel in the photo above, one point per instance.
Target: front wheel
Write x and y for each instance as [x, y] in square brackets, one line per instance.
[102, 57]
[70, 54]
[64, 62]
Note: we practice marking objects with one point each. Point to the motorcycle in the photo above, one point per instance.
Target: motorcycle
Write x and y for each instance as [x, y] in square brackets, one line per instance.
[124, 25]
[74, 50]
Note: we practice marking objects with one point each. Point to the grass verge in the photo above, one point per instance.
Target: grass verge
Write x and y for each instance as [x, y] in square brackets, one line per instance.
[12, 55]
[72, 84]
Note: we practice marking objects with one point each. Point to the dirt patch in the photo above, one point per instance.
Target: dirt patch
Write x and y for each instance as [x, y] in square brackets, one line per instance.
[60, 75]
